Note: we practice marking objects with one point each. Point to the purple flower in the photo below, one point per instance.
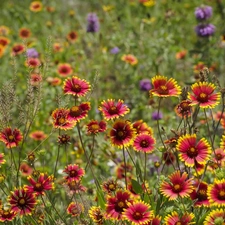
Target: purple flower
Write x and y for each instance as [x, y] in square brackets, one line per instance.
[32, 53]
[205, 30]
[92, 23]
[157, 116]
[203, 13]
[115, 50]
[145, 85]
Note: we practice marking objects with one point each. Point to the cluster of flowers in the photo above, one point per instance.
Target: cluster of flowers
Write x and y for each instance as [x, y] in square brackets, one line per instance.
[204, 29]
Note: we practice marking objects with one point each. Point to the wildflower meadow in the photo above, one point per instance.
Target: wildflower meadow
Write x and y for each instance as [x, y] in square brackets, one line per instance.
[112, 112]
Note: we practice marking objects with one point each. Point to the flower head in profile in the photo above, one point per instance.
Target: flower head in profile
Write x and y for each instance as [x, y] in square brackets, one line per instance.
[142, 127]
[203, 94]
[4, 41]
[122, 133]
[75, 209]
[60, 119]
[144, 143]
[18, 49]
[95, 127]
[79, 112]
[36, 6]
[74, 172]
[35, 79]
[191, 151]
[75, 187]
[37, 135]
[76, 87]
[147, 3]
[22, 201]
[112, 109]
[11, 137]
[32, 62]
[138, 213]
[92, 23]
[26, 169]
[40, 185]
[96, 215]
[216, 193]
[64, 69]
[110, 186]
[164, 87]
[178, 186]
[199, 194]
[120, 171]
[130, 59]
[6, 215]
[184, 109]
[115, 205]
[175, 219]
[216, 216]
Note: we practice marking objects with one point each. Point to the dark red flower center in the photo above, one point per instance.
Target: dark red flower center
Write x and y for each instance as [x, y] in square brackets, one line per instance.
[17, 48]
[137, 215]
[73, 35]
[163, 90]
[144, 143]
[113, 110]
[75, 111]
[177, 188]
[218, 156]
[121, 134]
[64, 69]
[120, 206]
[38, 187]
[202, 97]
[36, 6]
[192, 152]
[221, 194]
[24, 33]
[73, 173]
[76, 88]
[202, 195]
[21, 202]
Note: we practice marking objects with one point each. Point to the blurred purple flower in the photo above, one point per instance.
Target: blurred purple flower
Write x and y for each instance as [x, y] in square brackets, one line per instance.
[32, 53]
[157, 116]
[145, 85]
[205, 30]
[203, 13]
[92, 23]
[115, 50]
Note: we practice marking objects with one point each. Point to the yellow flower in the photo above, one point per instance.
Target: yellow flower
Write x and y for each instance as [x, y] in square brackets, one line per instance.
[107, 8]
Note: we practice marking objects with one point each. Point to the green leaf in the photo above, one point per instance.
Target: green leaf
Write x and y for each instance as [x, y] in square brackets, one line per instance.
[101, 199]
[136, 187]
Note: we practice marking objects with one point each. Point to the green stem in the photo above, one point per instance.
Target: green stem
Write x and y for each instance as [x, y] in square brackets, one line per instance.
[57, 159]
[92, 150]
[125, 166]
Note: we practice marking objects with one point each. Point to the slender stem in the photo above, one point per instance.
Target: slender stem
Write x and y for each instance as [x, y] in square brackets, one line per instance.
[13, 159]
[46, 210]
[3, 191]
[92, 150]
[207, 122]
[57, 159]
[85, 153]
[145, 167]
[125, 166]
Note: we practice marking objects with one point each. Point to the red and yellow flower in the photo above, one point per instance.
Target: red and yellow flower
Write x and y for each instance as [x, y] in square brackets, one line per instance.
[10, 137]
[75, 209]
[178, 186]
[184, 109]
[216, 193]
[141, 127]
[64, 69]
[77, 113]
[96, 215]
[191, 150]
[122, 133]
[130, 59]
[7, 215]
[215, 215]
[112, 109]
[4, 41]
[72, 36]
[162, 87]
[199, 194]
[76, 87]
[42, 184]
[74, 172]
[17, 49]
[24, 33]
[60, 119]
[36, 6]
[138, 213]
[2, 160]
[144, 142]
[22, 201]
[32, 62]
[35, 79]
[175, 219]
[115, 205]
[203, 94]
[95, 127]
